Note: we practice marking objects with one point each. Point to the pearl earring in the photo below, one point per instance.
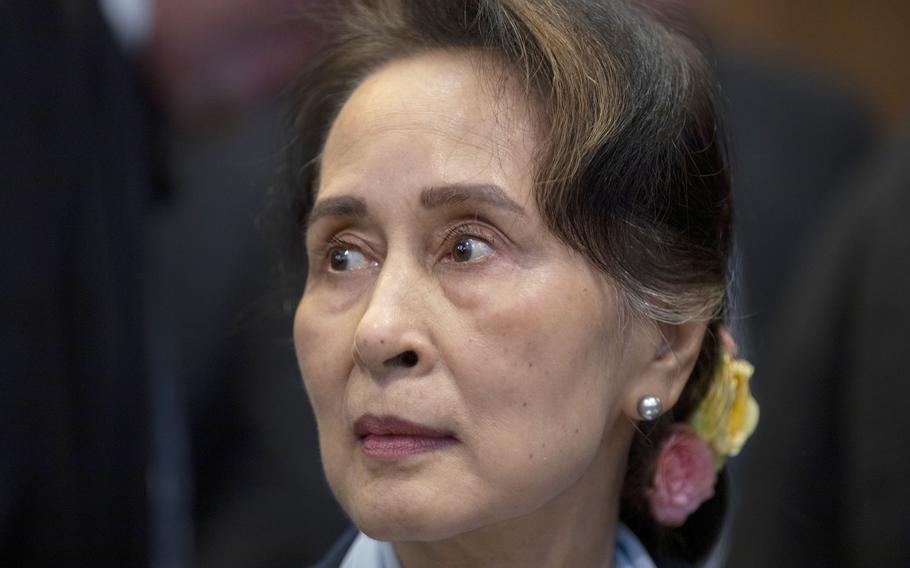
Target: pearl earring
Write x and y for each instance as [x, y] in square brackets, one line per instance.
[649, 407]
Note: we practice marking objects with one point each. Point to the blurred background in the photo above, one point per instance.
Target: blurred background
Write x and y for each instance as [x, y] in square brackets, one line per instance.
[859, 45]
[151, 411]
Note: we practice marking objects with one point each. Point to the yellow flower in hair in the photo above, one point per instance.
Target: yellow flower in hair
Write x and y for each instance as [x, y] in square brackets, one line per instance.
[728, 414]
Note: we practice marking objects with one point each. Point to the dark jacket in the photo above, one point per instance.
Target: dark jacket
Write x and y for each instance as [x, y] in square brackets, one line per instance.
[75, 179]
[336, 553]
[829, 463]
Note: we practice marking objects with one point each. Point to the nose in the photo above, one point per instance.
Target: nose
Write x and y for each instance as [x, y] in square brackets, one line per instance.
[393, 336]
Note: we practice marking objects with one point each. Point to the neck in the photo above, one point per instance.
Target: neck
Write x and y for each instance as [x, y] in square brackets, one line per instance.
[576, 528]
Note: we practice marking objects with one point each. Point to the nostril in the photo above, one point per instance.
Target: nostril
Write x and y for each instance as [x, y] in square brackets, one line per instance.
[407, 358]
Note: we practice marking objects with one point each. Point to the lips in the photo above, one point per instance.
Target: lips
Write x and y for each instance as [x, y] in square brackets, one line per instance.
[390, 437]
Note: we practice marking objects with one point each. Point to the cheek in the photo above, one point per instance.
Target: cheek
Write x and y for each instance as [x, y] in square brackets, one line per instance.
[538, 384]
[323, 342]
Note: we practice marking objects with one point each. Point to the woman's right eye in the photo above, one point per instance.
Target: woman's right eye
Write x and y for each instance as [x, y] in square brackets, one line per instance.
[347, 260]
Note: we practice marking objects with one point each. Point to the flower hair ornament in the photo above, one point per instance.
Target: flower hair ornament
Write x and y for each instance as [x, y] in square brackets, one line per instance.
[694, 452]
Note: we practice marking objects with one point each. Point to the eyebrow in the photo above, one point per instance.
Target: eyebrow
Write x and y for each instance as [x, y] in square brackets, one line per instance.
[430, 198]
[342, 206]
[433, 197]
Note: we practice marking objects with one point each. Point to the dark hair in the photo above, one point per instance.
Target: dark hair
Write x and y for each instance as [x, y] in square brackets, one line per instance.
[632, 176]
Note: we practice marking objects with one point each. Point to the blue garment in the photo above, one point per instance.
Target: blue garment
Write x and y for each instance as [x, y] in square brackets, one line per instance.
[356, 550]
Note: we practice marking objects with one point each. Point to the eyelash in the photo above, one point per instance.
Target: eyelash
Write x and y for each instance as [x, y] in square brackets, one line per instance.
[467, 230]
[463, 230]
[335, 242]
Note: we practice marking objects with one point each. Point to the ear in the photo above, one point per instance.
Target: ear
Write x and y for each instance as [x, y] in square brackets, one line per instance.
[674, 350]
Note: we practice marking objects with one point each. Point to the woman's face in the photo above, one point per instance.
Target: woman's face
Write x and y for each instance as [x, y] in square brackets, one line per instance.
[462, 362]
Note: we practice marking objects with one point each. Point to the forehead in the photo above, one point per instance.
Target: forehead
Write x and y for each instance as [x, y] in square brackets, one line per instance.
[434, 118]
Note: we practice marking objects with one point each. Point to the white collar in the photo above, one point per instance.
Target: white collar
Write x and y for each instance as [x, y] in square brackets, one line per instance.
[368, 553]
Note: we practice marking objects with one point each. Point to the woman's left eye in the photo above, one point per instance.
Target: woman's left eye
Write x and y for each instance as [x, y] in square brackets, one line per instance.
[343, 259]
[470, 250]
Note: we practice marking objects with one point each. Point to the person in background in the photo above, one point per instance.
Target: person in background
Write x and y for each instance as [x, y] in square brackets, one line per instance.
[796, 144]
[826, 482]
[90, 422]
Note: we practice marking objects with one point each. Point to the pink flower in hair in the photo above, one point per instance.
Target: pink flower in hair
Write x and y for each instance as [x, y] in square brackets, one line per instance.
[684, 477]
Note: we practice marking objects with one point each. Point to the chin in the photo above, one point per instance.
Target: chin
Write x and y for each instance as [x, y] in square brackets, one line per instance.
[401, 515]
[414, 528]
